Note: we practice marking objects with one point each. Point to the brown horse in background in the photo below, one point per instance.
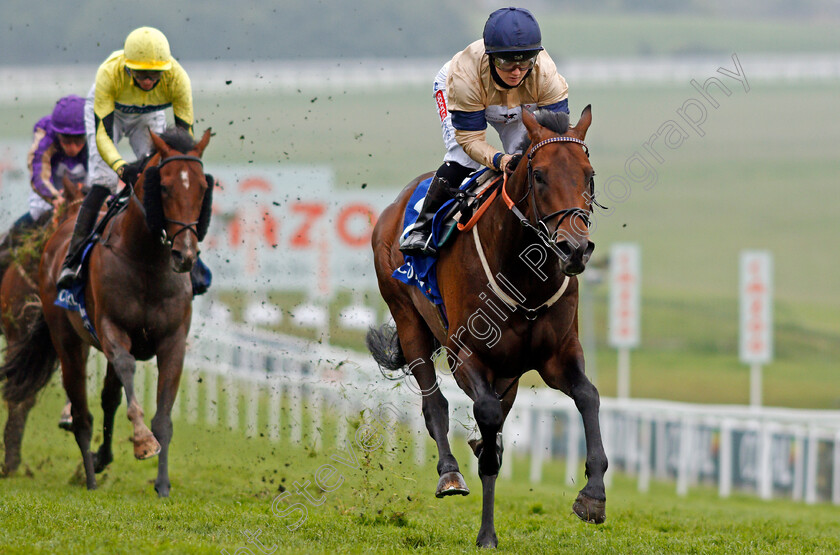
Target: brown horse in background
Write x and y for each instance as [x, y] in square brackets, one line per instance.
[511, 301]
[20, 308]
[139, 298]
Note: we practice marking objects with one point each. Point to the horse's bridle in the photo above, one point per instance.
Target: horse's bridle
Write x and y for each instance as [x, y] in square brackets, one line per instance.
[541, 227]
[184, 226]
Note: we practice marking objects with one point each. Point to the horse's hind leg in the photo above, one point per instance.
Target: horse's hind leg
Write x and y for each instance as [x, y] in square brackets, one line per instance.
[566, 374]
[74, 377]
[418, 344]
[111, 397]
[170, 364]
[13, 434]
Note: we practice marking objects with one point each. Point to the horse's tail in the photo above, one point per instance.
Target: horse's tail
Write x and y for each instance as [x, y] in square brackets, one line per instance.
[384, 344]
[30, 362]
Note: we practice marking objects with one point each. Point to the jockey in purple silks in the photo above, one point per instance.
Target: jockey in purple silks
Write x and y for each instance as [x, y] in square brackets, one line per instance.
[59, 148]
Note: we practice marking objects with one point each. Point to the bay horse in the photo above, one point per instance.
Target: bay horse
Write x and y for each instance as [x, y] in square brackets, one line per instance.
[20, 308]
[139, 298]
[511, 299]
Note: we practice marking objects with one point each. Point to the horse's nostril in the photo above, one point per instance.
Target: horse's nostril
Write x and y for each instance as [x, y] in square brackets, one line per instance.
[565, 249]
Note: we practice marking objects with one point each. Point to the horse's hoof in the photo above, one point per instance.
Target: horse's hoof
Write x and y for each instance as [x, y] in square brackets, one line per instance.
[488, 540]
[590, 510]
[66, 423]
[101, 462]
[146, 447]
[451, 483]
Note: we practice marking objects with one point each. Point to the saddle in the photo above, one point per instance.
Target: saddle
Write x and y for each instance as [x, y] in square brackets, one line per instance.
[469, 203]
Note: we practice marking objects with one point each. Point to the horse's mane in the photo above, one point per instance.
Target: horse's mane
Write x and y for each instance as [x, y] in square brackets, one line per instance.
[180, 139]
[555, 121]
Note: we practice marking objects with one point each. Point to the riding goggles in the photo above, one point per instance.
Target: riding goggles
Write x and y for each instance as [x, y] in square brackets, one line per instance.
[142, 74]
[506, 64]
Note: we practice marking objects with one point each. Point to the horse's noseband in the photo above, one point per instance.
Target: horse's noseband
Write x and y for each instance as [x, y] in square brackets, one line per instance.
[184, 225]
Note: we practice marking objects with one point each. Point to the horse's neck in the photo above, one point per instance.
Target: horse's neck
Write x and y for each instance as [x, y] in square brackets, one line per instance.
[508, 245]
[135, 239]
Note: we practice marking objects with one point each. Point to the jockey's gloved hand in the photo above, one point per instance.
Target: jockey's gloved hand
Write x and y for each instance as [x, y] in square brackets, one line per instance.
[510, 167]
[129, 174]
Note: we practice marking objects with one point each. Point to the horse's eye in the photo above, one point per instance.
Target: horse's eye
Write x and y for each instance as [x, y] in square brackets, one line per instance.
[164, 190]
[538, 177]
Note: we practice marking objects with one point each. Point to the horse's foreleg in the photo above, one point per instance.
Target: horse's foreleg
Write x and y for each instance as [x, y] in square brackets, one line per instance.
[170, 364]
[13, 434]
[489, 416]
[117, 348]
[111, 396]
[567, 375]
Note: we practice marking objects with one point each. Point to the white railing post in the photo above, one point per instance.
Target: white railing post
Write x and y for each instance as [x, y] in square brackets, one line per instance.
[765, 470]
[275, 401]
[644, 453]
[686, 454]
[811, 473]
[230, 384]
[540, 446]
[211, 398]
[573, 426]
[835, 477]
[252, 407]
[725, 459]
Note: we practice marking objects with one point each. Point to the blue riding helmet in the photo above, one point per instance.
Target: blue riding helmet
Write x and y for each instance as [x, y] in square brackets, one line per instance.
[512, 31]
[68, 116]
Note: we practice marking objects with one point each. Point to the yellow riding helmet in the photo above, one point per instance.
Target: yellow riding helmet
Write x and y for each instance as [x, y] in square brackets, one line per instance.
[147, 48]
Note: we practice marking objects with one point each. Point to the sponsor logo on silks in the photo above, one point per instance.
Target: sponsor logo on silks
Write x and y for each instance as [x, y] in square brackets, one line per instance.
[441, 103]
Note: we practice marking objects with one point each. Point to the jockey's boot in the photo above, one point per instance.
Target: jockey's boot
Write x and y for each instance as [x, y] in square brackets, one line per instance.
[85, 221]
[418, 241]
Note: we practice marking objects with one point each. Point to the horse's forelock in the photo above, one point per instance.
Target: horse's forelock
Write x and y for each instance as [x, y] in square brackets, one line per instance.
[554, 121]
[179, 139]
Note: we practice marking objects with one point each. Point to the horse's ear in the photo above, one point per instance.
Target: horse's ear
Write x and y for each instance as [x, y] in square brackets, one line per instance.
[202, 144]
[584, 122]
[531, 124]
[72, 191]
[160, 145]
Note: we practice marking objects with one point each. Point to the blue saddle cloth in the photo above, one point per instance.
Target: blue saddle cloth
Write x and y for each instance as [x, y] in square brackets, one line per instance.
[421, 271]
[73, 298]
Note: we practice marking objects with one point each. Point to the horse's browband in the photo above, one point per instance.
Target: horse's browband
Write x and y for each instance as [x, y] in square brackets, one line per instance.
[186, 157]
[558, 140]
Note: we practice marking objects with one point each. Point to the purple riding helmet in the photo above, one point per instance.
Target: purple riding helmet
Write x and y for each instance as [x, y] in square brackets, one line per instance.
[68, 116]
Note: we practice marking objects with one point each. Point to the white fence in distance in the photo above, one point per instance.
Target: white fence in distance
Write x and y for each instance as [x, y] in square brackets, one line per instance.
[768, 452]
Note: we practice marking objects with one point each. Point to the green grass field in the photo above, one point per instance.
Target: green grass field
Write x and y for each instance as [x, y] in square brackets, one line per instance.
[224, 484]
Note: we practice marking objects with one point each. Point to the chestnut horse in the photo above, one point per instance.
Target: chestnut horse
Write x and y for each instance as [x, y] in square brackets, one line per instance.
[20, 308]
[139, 298]
[511, 299]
